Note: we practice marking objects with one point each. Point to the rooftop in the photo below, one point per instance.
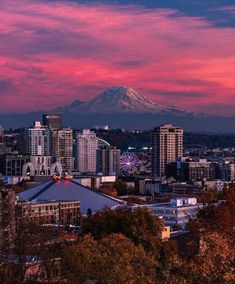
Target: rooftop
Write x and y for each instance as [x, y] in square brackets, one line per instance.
[69, 190]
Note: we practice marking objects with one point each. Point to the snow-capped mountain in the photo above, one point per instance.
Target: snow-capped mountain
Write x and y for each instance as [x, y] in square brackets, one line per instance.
[122, 107]
[119, 100]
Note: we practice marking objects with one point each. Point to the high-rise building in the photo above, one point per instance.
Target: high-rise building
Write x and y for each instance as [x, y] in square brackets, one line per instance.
[167, 146]
[87, 144]
[39, 142]
[39, 147]
[108, 160]
[63, 148]
[52, 121]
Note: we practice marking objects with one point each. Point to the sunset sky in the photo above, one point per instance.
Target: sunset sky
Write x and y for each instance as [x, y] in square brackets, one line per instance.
[179, 53]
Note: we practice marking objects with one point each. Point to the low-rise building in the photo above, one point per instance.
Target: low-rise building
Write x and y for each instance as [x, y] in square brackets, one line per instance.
[176, 212]
[96, 181]
[152, 187]
[165, 233]
[227, 171]
[69, 190]
[12, 165]
[54, 212]
[180, 188]
[188, 170]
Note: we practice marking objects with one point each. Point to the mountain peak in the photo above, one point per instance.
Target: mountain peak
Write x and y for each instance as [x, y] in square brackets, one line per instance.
[121, 93]
[69, 108]
[119, 99]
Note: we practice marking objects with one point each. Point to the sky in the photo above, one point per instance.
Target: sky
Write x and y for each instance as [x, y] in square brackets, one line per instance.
[177, 52]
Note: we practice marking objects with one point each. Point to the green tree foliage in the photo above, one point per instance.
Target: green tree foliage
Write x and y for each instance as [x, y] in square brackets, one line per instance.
[208, 196]
[120, 187]
[139, 225]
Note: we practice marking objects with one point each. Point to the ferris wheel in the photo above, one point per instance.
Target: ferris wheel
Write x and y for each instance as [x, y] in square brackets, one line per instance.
[128, 162]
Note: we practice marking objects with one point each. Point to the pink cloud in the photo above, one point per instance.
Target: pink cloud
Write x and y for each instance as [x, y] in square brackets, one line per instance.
[54, 52]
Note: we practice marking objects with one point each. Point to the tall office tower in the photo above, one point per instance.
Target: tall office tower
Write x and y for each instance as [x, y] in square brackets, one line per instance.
[87, 144]
[39, 140]
[39, 147]
[108, 160]
[52, 121]
[167, 146]
[63, 148]
[1, 134]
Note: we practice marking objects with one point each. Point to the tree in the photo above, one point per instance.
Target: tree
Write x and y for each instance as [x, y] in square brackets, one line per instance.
[7, 222]
[219, 217]
[33, 253]
[139, 225]
[120, 187]
[111, 259]
[208, 196]
[215, 262]
[214, 227]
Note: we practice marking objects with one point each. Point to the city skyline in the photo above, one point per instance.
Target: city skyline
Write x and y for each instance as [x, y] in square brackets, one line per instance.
[117, 141]
[176, 53]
